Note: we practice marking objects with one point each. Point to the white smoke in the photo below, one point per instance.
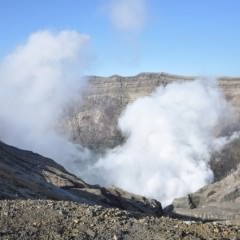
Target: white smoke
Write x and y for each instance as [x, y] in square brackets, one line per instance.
[127, 15]
[170, 137]
[37, 81]
[170, 134]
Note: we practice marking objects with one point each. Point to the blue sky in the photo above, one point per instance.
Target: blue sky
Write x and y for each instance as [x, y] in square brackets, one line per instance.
[183, 37]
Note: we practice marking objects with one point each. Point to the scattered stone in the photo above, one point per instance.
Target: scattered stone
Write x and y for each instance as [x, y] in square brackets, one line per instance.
[39, 219]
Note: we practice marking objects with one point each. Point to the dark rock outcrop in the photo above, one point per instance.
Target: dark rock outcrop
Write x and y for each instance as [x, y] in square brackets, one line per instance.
[217, 201]
[26, 175]
[226, 161]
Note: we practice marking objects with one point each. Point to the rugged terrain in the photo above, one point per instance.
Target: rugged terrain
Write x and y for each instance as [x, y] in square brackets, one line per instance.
[26, 175]
[217, 201]
[39, 199]
[92, 121]
[103, 103]
[42, 219]
[88, 211]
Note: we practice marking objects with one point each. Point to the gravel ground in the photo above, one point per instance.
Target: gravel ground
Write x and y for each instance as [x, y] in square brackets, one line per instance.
[45, 219]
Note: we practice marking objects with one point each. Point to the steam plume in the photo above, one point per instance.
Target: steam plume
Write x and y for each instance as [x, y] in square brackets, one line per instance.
[170, 136]
[37, 80]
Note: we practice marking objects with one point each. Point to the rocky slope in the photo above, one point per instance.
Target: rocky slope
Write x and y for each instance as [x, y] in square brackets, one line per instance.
[41, 219]
[217, 201]
[86, 212]
[26, 175]
[225, 162]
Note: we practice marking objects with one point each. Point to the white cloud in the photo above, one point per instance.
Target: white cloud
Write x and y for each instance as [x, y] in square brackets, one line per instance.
[127, 15]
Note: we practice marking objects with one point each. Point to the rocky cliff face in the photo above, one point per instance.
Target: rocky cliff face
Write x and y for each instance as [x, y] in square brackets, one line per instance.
[226, 161]
[92, 122]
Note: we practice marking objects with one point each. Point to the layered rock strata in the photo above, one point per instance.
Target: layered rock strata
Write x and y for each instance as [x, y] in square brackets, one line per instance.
[92, 121]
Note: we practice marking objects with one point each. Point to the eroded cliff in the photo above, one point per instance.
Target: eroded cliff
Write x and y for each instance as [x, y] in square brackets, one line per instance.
[92, 121]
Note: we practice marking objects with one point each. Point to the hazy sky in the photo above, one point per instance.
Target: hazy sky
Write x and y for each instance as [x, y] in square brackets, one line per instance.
[132, 36]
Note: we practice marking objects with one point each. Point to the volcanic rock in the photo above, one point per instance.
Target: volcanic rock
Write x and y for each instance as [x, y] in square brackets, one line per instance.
[26, 175]
[226, 161]
[60, 220]
[92, 121]
[217, 201]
